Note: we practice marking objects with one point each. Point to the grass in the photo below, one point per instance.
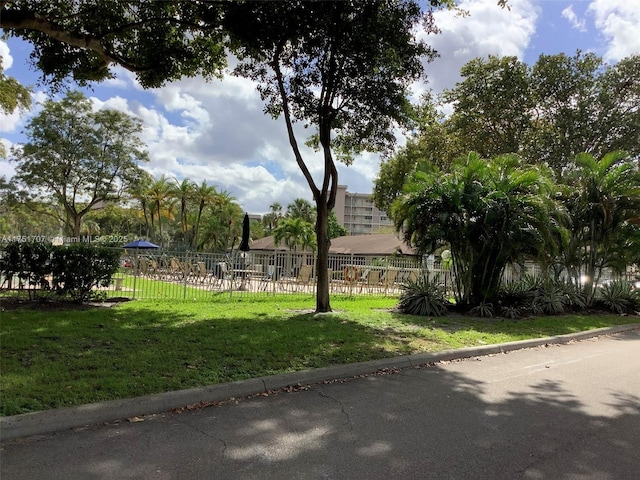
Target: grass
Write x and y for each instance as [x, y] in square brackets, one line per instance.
[69, 357]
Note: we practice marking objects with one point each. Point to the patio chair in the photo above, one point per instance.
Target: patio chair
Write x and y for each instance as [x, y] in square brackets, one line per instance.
[304, 276]
[372, 281]
[389, 280]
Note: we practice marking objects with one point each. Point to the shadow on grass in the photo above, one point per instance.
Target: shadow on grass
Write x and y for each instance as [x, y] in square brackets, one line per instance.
[438, 422]
[64, 358]
[70, 357]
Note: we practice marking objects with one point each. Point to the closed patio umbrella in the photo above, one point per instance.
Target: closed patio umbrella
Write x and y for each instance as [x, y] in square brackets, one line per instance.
[246, 233]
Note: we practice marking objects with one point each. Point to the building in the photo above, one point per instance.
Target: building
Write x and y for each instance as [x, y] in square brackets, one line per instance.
[357, 213]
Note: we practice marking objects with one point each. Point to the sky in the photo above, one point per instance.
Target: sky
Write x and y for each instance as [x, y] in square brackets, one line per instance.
[217, 131]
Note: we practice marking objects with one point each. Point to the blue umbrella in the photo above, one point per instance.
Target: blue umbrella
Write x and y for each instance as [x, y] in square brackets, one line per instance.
[141, 244]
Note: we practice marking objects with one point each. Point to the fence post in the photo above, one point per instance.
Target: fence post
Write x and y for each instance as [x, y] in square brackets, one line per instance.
[185, 274]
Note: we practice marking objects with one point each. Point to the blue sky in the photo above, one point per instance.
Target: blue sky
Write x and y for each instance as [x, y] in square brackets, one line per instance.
[217, 131]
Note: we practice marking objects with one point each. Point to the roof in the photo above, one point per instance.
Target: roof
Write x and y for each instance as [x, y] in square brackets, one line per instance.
[382, 244]
[374, 245]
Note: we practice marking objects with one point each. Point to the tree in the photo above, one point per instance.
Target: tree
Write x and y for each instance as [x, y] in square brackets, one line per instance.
[204, 195]
[270, 220]
[184, 192]
[158, 41]
[13, 95]
[601, 196]
[489, 213]
[335, 229]
[584, 106]
[547, 113]
[492, 106]
[342, 67]
[77, 158]
[301, 208]
[159, 198]
[222, 224]
[295, 232]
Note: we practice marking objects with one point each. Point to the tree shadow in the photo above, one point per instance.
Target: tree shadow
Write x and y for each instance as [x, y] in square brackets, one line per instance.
[435, 422]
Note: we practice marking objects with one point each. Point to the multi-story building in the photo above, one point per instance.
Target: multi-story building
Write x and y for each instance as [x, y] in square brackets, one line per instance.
[357, 213]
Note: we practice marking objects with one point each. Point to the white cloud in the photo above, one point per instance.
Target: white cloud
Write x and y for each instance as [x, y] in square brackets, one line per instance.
[7, 169]
[488, 30]
[576, 23]
[7, 59]
[619, 22]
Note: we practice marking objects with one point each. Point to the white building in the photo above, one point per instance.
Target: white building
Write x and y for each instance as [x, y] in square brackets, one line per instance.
[357, 213]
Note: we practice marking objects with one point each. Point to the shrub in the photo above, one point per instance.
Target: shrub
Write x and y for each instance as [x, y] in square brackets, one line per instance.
[618, 296]
[77, 269]
[484, 310]
[31, 262]
[423, 297]
[539, 296]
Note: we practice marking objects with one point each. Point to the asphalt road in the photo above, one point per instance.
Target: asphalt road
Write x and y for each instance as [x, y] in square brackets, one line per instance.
[558, 412]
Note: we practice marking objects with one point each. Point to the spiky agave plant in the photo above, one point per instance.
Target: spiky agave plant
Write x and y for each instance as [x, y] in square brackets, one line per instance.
[423, 296]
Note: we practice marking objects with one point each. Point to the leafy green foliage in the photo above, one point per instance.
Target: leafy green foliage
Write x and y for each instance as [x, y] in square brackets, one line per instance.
[424, 297]
[489, 213]
[31, 263]
[335, 230]
[72, 271]
[618, 297]
[78, 269]
[548, 113]
[158, 41]
[539, 296]
[76, 158]
[484, 310]
[600, 196]
[295, 233]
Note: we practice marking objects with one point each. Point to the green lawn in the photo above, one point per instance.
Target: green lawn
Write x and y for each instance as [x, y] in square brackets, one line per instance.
[69, 357]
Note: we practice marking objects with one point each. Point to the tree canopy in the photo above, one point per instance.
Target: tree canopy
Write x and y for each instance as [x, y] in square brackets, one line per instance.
[342, 68]
[77, 158]
[489, 213]
[547, 113]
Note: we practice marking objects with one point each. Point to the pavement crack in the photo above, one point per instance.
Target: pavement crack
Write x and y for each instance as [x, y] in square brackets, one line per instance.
[224, 451]
[344, 412]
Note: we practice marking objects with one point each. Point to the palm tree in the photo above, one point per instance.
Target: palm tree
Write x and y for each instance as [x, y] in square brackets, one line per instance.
[184, 193]
[602, 196]
[222, 223]
[203, 195]
[301, 208]
[270, 220]
[488, 213]
[276, 212]
[159, 193]
[140, 192]
[295, 232]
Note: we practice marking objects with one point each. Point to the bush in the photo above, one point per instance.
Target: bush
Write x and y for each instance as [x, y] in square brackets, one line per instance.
[618, 297]
[77, 269]
[31, 263]
[484, 310]
[534, 295]
[423, 297]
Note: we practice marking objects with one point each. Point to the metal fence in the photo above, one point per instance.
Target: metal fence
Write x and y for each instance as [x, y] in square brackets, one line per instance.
[181, 275]
[159, 274]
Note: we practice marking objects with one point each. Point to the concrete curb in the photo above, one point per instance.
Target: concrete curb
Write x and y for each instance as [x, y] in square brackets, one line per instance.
[48, 421]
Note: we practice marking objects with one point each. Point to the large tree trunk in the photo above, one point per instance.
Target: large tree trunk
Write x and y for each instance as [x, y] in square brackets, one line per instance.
[322, 261]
